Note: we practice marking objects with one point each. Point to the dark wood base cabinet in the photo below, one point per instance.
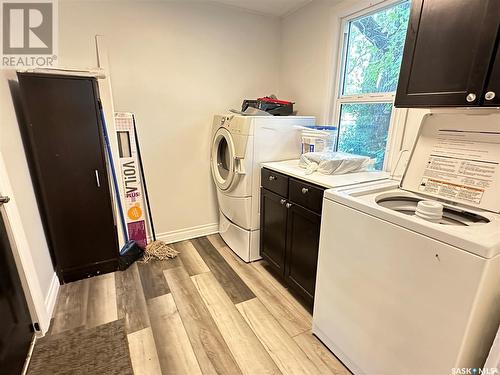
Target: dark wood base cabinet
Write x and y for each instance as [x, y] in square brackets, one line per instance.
[273, 229]
[302, 250]
[289, 231]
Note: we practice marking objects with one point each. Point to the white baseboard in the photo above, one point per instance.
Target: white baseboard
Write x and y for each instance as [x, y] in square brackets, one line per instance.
[188, 233]
[51, 298]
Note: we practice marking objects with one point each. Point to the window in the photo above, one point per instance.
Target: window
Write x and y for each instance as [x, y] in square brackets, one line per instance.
[372, 50]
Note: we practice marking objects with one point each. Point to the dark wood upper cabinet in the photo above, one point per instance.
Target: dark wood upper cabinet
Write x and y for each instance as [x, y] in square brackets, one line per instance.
[65, 148]
[449, 53]
[492, 92]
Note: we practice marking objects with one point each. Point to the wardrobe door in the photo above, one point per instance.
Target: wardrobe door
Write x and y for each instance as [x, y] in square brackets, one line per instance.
[16, 331]
[65, 148]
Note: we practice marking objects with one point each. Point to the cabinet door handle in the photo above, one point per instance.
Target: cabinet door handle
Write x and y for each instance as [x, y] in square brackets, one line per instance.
[490, 95]
[471, 97]
[288, 205]
[305, 190]
[4, 199]
[97, 181]
[283, 201]
[272, 178]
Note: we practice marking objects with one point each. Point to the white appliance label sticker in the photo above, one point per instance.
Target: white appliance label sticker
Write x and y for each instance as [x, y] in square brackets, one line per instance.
[461, 165]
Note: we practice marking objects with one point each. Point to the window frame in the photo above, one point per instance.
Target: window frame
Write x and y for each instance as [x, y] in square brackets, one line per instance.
[398, 115]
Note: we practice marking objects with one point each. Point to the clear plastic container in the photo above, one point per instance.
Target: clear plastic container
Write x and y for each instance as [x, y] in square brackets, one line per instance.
[318, 138]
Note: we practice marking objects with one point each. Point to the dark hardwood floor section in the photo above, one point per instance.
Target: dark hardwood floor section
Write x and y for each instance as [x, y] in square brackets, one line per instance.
[152, 279]
[236, 289]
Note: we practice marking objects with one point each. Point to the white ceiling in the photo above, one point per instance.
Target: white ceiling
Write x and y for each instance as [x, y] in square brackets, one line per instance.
[271, 7]
[278, 8]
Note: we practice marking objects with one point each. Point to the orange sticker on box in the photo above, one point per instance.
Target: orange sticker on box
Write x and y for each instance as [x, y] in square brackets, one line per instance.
[134, 212]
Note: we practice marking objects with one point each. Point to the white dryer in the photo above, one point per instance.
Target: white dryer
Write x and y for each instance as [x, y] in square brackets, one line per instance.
[239, 145]
[409, 275]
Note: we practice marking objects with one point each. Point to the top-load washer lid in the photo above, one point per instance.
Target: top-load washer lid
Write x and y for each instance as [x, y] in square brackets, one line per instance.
[456, 158]
[222, 160]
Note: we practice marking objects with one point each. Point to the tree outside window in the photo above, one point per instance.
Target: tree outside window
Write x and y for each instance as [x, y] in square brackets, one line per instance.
[372, 50]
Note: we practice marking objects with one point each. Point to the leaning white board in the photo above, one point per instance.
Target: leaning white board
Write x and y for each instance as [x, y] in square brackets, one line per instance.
[130, 178]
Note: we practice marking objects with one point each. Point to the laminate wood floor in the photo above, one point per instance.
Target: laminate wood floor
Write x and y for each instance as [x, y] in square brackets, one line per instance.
[204, 312]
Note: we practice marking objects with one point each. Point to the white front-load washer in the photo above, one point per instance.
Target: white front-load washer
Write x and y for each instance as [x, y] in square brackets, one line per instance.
[239, 145]
[408, 275]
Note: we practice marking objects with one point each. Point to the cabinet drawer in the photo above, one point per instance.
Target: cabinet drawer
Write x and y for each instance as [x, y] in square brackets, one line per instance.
[306, 195]
[275, 182]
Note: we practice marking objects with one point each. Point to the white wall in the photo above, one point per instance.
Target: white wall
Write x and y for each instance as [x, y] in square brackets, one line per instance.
[305, 62]
[310, 39]
[174, 65]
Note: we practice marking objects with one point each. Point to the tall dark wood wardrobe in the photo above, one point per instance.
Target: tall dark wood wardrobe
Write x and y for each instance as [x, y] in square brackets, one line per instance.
[65, 147]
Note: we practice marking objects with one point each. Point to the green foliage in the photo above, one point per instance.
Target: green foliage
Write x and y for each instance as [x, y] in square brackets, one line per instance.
[375, 49]
[374, 52]
[363, 130]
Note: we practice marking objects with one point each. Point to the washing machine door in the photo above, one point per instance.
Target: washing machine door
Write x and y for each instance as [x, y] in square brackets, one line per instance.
[222, 161]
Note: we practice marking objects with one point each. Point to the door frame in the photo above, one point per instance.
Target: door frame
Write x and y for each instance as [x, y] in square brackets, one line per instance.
[22, 255]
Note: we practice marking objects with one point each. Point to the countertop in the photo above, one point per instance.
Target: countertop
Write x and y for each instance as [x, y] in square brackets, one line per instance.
[291, 168]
